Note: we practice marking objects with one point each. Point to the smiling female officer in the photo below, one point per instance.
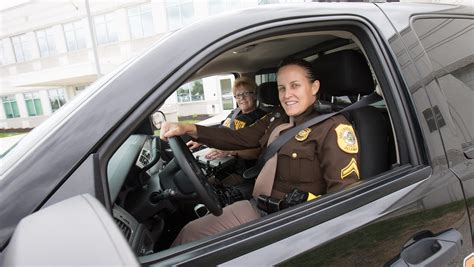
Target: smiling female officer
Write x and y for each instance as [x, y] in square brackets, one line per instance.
[247, 113]
[318, 160]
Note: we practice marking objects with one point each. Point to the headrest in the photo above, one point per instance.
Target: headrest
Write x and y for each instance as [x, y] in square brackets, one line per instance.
[344, 73]
[268, 93]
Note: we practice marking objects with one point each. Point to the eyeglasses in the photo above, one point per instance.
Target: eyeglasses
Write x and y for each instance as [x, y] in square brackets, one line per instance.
[242, 95]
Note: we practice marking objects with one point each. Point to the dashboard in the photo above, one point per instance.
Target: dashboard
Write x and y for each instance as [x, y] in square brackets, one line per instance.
[134, 232]
[139, 184]
[134, 152]
[123, 160]
[145, 155]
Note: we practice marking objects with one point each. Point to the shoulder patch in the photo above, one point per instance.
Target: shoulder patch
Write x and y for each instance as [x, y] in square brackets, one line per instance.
[346, 139]
[350, 168]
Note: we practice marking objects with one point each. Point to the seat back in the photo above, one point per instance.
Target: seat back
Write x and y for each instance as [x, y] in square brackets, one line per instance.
[371, 128]
[346, 73]
[267, 94]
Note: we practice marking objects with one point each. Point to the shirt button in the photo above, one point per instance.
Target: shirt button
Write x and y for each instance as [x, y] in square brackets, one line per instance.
[294, 155]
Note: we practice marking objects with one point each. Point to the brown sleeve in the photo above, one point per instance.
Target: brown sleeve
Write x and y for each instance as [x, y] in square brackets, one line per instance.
[227, 139]
[248, 154]
[340, 168]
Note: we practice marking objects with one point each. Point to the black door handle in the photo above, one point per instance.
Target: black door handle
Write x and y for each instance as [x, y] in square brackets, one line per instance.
[431, 251]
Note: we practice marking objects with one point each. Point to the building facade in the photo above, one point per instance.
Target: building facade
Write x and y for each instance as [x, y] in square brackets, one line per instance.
[52, 50]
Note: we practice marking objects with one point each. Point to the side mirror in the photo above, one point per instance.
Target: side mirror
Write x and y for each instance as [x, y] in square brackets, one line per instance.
[158, 118]
[79, 230]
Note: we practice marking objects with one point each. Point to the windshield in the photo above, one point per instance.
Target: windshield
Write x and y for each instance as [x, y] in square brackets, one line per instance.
[14, 148]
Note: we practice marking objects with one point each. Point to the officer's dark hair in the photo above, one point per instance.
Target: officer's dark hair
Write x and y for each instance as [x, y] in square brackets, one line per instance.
[310, 74]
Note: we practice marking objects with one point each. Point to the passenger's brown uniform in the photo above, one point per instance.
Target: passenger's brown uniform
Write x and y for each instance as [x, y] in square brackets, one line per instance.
[320, 159]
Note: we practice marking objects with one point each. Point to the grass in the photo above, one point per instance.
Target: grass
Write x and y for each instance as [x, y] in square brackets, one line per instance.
[8, 134]
[189, 121]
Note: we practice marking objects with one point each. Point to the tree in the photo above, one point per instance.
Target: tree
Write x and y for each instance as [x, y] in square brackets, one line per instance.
[197, 91]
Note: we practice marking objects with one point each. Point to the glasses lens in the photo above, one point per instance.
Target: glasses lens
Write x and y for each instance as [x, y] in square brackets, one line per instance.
[242, 95]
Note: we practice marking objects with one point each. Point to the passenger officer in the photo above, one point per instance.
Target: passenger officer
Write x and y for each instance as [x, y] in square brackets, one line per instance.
[247, 113]
[319, 159]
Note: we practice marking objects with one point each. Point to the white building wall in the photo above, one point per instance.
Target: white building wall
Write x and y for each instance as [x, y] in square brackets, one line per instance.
[9, 56]
[20, 101]
[45, 102]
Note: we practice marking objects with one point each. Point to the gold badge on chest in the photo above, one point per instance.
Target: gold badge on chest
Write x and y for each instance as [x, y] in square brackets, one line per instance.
[303, 134]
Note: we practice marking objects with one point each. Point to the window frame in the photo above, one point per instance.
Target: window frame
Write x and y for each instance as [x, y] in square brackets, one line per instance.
[33, 97]
[413, 167]
[50, 51]
[109, 27]
[57, 96]
[21, 48]
[140, 15]
[12, 99]
[179, 5]
[189, 87]
[74, 32]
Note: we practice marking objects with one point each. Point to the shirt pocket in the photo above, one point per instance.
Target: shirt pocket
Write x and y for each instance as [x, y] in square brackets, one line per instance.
[296, 162]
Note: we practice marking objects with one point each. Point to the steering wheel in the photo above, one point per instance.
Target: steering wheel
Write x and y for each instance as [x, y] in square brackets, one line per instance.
[191, 169]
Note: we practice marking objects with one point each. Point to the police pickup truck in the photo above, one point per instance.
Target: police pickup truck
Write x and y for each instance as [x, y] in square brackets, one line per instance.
[94, 185]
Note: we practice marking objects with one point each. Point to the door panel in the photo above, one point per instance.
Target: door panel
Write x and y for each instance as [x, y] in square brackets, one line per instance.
[375, 233]
[440, 37]
[381, 240]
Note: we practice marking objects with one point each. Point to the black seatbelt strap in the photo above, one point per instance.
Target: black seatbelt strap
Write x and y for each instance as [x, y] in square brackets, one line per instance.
[232, 118]
[286, 136]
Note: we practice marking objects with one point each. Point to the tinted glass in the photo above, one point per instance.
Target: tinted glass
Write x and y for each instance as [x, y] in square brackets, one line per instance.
[448, 43]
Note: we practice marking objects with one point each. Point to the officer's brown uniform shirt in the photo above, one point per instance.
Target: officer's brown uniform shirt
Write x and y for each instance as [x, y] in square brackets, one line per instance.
[320, 159]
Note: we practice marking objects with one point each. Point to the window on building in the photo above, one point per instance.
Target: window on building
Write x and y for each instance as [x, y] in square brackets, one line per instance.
[141, 21]
[192, 91]
[33, 104]
[106, 28]
[5, 55]
[180, 13]
[226, 94]
[22, 48]
[218, 6]
[267, 77]
[10, 106]
[46, 42]
[57, 98]
[75, 33]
